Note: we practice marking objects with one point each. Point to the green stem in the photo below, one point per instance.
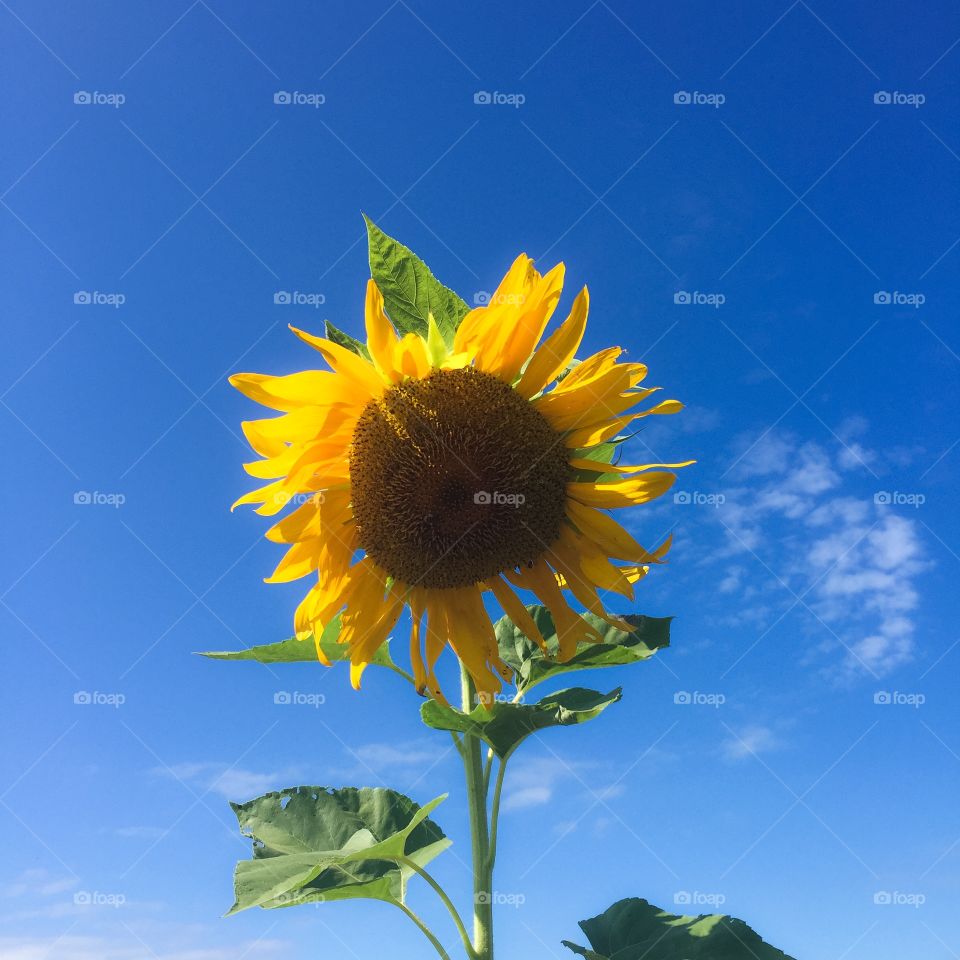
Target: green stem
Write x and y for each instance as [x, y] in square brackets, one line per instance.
[442, 894]
[479, 833]
[495, 811]
[424, 929]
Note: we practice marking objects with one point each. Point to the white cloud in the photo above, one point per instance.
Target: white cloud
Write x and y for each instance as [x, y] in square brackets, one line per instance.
[38, 883]
[535, 782]
[853, 563]
[233, 783]
[750, 741]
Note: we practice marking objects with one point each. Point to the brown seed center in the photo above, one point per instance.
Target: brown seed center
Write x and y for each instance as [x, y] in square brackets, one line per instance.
[455, 478]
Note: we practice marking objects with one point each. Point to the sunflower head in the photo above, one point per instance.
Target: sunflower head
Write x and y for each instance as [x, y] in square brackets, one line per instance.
[435, 468]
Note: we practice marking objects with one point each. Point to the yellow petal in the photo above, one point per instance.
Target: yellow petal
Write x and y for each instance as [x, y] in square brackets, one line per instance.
[553, 356]
[624, 493]
[381, 337]
[290, 392]
[611, 538]
[516, 611]
[358, 371]
[410, 357]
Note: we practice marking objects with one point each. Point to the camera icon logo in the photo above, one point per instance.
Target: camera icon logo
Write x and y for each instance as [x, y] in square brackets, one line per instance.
[682, 898]
[882, 96]
[881, 697]
[682, 96]
[482, 97]
[481, 298]
[682, 297]
[482, 497]
[82, 297]
[282, 698]
[82, 497]
[681, 497]
[82, 698]
[282, 297]
[882, 497]
[282, 97]
[682, 697]
[482, 898]
[882, 297]
[82, 96]
[882, 898]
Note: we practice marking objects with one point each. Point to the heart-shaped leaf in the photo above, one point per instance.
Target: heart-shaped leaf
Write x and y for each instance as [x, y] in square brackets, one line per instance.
[316, 843]
[410, 291]
[636, 930]
[504, 725]
[616, 647]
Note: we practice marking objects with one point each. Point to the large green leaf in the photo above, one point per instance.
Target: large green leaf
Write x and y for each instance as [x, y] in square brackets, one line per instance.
[410, 291]
[636, 930]
[315, 843]
[616, 647]
[504, 725]
[298, 651]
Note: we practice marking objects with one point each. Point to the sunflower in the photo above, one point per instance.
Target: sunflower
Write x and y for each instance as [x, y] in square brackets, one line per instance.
[429, 474]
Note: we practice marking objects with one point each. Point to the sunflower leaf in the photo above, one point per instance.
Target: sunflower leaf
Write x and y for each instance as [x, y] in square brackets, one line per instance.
[293, 650]
[504, 725]
[314, 844]
[636, 930]
[345, 340]
[410, 291]
[616, 647]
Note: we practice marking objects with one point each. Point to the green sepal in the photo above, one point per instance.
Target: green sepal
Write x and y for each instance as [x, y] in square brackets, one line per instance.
[345, 340]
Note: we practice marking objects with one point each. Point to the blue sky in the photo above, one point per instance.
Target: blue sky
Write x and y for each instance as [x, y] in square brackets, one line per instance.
[814, 233]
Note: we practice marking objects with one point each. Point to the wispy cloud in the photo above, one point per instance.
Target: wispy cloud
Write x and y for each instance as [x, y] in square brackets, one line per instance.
[750, 741]
[233, 783]
[803, 526]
